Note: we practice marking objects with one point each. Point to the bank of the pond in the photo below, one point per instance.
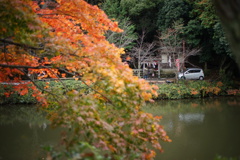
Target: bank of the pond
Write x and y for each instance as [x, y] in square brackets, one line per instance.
[195, 89]
[15, 98]
[179, 90]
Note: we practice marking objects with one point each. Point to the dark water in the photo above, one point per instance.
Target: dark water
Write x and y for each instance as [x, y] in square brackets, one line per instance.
[200, 129]
[23, 131]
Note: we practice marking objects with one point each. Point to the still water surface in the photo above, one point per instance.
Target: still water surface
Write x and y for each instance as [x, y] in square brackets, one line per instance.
[23, 130]
[200, 129]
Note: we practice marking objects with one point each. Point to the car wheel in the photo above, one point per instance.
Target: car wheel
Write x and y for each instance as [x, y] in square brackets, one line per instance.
[183, 77]
[201, 78]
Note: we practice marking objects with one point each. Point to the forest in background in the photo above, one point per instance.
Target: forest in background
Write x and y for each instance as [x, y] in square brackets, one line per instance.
[162, 22]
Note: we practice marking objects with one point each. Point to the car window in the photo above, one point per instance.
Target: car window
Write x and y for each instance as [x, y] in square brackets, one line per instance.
[191, 71]
[194, 71]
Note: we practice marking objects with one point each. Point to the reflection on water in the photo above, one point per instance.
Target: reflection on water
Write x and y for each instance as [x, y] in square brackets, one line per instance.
[200, 128]
[191, 117]
[23, 130]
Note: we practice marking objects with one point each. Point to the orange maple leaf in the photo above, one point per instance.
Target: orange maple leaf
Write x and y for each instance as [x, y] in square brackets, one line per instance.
[23, 91]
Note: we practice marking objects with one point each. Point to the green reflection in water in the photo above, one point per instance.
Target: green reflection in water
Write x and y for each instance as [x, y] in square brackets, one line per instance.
[23, 130]
[200, 128]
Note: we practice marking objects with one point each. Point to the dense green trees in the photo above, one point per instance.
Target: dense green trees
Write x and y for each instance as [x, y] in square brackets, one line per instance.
[213, 40]
[201, 25]
[229, 14]
[171, 11]
[143, 14]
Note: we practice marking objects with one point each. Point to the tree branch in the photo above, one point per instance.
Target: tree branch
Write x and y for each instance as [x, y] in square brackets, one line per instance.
[91, 88]
[40, 88]
[26, 67]
[19, 44]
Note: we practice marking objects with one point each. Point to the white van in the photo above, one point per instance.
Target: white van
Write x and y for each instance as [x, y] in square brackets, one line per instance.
[191, 73]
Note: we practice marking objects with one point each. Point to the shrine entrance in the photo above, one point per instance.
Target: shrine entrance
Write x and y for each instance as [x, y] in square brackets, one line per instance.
[149, 68]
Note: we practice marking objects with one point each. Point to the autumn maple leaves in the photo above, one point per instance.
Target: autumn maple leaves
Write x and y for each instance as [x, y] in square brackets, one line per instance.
[69, 37]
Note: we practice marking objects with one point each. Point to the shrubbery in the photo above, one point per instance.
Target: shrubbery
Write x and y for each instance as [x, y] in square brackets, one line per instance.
[180, 90]
[9, 96]
[56, 87]
[191, 89]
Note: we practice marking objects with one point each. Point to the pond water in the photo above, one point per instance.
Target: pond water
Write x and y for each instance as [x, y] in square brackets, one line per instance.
[200, 129]
[23, 130]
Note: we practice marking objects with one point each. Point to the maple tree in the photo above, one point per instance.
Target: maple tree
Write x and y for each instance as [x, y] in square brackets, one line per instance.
[67, 37]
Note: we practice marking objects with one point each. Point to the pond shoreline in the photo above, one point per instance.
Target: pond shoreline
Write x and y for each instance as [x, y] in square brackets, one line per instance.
[167, 90]
[195, 89]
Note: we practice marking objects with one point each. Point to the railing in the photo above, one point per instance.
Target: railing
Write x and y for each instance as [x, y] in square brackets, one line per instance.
[137, 72]
[152, 73]
[165, 73]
